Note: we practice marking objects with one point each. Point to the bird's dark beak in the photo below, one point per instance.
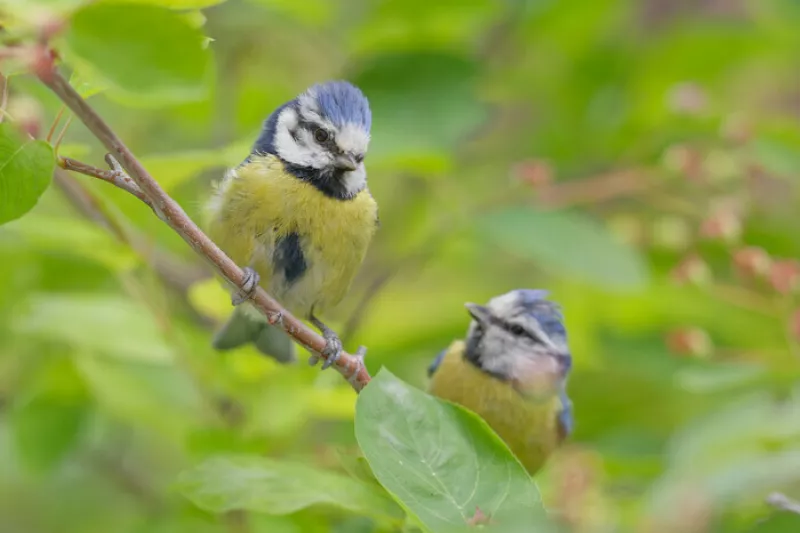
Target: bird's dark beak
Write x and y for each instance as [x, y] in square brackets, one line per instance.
[345, 162]
[480, 313]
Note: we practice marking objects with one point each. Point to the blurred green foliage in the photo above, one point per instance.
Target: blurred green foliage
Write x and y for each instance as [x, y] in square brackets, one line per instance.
[639, 159]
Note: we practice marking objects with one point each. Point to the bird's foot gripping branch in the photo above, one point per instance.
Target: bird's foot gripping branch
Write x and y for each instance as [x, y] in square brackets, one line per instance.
[127, 173]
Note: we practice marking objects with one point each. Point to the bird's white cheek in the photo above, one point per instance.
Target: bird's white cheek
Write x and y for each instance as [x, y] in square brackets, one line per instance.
[355, 180]
[302, 151]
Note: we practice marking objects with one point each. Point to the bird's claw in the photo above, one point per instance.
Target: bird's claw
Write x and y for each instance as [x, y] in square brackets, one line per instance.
[333, 349]
[249, 286]
[359, 356]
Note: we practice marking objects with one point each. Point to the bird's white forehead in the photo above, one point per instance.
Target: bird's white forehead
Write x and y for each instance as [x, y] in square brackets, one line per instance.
[352, 138]
[505, 304]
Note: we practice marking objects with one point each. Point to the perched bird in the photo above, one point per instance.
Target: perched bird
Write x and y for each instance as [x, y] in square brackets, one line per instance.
[298, 214]
[512, 371]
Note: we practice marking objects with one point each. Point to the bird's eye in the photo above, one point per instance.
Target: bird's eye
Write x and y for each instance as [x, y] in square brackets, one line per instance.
[517, 330]
[360, 158]
[320, 135]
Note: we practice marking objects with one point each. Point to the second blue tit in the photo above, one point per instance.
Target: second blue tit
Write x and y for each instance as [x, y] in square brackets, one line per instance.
[512, 371]
[297, 213]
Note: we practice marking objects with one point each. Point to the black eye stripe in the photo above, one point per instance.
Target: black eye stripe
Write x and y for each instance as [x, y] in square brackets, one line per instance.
[516, 329]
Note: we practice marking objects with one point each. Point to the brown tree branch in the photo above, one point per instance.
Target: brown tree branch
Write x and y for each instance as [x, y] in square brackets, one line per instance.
[352, 368]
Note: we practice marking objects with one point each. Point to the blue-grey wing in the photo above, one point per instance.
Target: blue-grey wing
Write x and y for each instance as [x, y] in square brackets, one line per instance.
[566, 419]
[436, 362]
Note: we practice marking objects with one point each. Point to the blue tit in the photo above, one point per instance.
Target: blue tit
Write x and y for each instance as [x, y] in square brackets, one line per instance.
[512, 371]
[298, 215]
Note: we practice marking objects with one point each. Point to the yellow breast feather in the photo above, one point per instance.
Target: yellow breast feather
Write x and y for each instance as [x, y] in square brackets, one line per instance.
[260, 202]
[529, 428]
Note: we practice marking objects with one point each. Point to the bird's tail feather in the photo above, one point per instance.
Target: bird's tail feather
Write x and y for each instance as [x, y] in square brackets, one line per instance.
[244, 326]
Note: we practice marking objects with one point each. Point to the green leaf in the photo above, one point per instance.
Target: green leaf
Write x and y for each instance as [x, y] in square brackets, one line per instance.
[46, 429]
[146, 53]
[71, 236]
[85, 86]
[566, 243]
[440, 85]
[737, 454]
[423, 25]
[26, 168]
[174, 169]
[440, 461]
[172, 4]
[720, 377]
[158, 397]
[259, 484]
[311, 12]
[778, 157]
[112, 325]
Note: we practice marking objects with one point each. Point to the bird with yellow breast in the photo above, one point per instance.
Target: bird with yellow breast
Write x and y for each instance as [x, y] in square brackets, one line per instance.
[298, 215]
[512, 370]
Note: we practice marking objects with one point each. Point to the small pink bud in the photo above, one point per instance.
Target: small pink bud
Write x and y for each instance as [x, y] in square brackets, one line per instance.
[40, 61]
[692, 342]
[688, 98]
[693, 270]
[784, 276]
[724, 225]
[534, 172]
[752, 262]
[479, 518]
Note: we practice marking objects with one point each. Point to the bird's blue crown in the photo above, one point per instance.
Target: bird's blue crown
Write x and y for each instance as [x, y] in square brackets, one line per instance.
[547, 313]
[342, 103]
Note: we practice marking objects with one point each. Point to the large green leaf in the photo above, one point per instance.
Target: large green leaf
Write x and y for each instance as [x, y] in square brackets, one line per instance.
[145, 52]
[738, 454]
[159, 398]
[172, 4]
[777, 156]
[422, 103]
[441, 462]
[70, 236]
[46, 428]
[311, 12]
[112, 325]
[566, 243]
[259, 484]
[26, 168]
[174, 169]
[393, 25]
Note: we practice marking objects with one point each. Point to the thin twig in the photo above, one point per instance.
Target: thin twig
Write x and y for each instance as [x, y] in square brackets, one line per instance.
[783, 502]
[57, 144]
[590, 191]
[120, 179]
[171, 213]
[54, 125]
